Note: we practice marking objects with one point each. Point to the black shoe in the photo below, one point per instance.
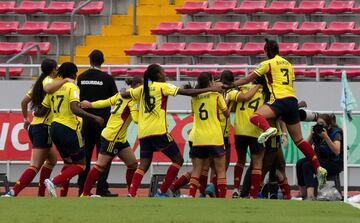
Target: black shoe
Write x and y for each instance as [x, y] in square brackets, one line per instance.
[107, 194]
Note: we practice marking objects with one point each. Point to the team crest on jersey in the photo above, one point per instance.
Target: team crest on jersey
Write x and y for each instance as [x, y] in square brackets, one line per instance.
[76, 94]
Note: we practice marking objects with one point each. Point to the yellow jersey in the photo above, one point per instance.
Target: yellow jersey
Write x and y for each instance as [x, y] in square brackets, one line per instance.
[59, 104]
[225, 122]
[47, 118]
[279, 75]
[275, 124]
[244, 110]
[207, 128]
[153, 123]
[122, 113]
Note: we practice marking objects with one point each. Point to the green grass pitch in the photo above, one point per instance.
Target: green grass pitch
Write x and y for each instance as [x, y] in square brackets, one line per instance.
[148, 210]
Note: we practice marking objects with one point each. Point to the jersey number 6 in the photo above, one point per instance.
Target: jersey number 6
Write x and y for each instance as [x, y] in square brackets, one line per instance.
[203, 113]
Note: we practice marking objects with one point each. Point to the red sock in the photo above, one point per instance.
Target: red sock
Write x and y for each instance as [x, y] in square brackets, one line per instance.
[91, 178]
[285, 189]
[203, 181]
[214, 182]
[45, 173]
[194, 184]
[309, 153]
[260, 121]
[67, 174]
[136, 180]
[182, 181]
[129, 175]
[169, 178]
[238, 169]
[64, 189]
[255, 182]
[221, 183]
[25, 179]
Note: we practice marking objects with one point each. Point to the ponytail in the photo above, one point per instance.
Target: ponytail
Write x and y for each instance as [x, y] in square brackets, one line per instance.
[151, 73]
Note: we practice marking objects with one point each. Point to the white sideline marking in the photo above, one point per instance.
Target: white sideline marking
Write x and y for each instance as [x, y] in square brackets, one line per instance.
[356, 205]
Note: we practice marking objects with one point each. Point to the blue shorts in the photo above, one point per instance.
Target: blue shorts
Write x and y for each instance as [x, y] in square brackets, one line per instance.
[40, 136]
[163, 143]
[67, 141]
[204, 152]
[112, 148]
[243, 142]
[287, 109]
[273, 144]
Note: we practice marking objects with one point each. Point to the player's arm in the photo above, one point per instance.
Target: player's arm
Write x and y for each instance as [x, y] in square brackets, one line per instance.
[222, 106]
[134, 111]
[194, 92]
[246, 80]
[100, 103]
[284, 134]
[248, 95]
[75, 108]
[50, 88]
[24, 109]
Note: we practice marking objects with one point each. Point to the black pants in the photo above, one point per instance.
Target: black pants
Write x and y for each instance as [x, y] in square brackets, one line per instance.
[92, 135]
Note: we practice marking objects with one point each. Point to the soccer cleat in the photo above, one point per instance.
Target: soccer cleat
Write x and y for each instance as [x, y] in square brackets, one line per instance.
[95, 196]
[51, 187]
[159, 194]
[210, 190]
[185, 196]
[170, 193]
[82, 195]
[9, 194]
[266, 135]
[321, 176]
[236, 193]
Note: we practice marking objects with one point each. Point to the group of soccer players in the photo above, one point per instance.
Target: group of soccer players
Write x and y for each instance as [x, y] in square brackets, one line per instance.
[264, 104]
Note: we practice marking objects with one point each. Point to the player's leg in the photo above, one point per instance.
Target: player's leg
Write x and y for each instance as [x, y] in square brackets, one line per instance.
[128, 156]
[256, 172]
[46, 170]
[241, 148]
[204, 177]
[281, 174]
[259, 118]
[227, 151]
[220, 167]
[198, 164]
[300, 176]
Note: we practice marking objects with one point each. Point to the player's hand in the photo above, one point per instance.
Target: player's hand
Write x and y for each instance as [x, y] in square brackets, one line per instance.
[85, 104]
[217, 88]
[284, 140]
[26, 125]
[100, 121]
[302, 104]
[69, 80]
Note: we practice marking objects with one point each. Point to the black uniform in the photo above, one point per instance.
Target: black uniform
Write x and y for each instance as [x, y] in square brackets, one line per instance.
[95, 85]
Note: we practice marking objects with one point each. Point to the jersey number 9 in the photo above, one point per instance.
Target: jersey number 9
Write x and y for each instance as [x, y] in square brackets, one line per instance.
[58, 101]
[203, 113]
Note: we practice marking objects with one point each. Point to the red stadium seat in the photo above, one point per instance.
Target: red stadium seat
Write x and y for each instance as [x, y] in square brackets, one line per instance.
[308, 28]
[350, 73]
[7, 6]
[279, 7]
[288, 48]
[250, 7]
[356, 51]
[299, 71]
[171, 72]
[310, 49]
[323, 72]
[251, 48]
[356, 30]
[44, 47]
[220, 7]
[7, 48]
[283, 28]
[169, 49]
[192, 7]
[137, 71]
[337, 28]
[166, 28]
[307, 7]
[253, 27]
[339, 7]
[29, 7]
[338, 49]
[139, 49]
[8, 27]
[14, 72]
[115, 71]
[196, 28]
[59, 7]
[224, 27]
[236, 71]
[197, 71]
[197, 49]
[225, 49]
[60, 28]
[356, 9]
[30, 27]
[92, 8]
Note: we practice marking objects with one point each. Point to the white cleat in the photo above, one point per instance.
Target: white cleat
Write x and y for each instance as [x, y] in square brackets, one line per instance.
[95, 196]
[236, 193]
[185, 196]
[51, 187]
[266, 135]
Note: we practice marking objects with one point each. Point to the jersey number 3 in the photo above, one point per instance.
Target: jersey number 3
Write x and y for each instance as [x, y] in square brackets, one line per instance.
[286, 74]
[57, 100]
[117, 106]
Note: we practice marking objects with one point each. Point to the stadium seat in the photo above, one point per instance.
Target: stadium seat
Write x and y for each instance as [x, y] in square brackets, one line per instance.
[323, 72]
[308, 28]
[166, 28]
[220, 7]
[95, 7]
[137, 71]
[197, 71]
[139, 49]
[236, 71]
[172, 71]
[224, 27]
[310, 49]
[169, 49]
[338, 49]
[279, 7]
[282, 28]
[307, 7]
[288, 48]
[44, 47]
[356, 30]
[197, 49]
[116, 71]
[356, 9]
[7, 6]
[247, 7]
[253, 28]
[299, 71]
[251, 48]
[29, 7]
[339, 7]
[7, 48]
[192, 7]
[59, 7]
[13, 72]
[30, 27]
[8, 27]
[356, 52]
[337, 28]
[196, 28]
[349, 72]
[225, 49]
[60, 28]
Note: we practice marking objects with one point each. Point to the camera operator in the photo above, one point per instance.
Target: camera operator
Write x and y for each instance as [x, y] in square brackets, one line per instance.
[327, 139]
